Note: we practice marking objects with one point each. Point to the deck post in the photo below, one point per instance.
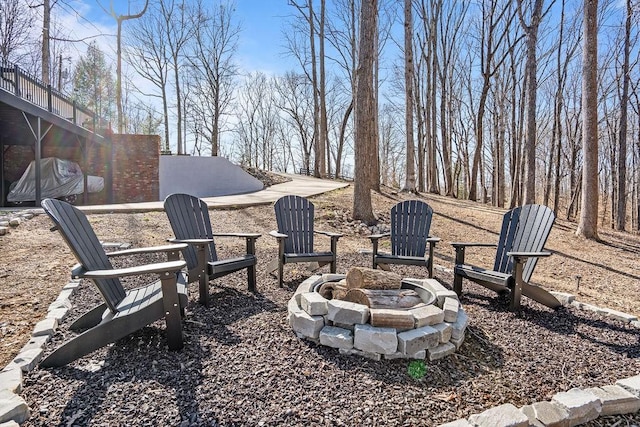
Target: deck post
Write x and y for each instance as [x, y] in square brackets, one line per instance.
[49, 99]
[16, 72]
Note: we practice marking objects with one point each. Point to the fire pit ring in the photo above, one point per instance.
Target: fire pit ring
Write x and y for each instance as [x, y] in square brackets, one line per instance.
[436, 329]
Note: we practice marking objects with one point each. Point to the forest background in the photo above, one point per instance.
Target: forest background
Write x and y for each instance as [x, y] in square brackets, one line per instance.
[474, 100]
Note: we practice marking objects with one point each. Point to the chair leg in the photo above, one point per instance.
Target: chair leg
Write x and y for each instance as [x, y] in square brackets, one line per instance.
[251, 278]
[457, 279]
[374, 253]
[430, 261]
[90, 318]
[203, 289]
[457, 284]
[516, 290]
[280, 273]
[202, 252]
[171, 303]
[87, 342]
[334, 251]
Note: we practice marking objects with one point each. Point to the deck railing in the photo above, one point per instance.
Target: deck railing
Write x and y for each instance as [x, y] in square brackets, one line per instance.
[23, 85]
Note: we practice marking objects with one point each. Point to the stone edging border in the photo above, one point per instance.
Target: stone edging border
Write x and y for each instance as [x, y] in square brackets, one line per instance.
[14, 219]
[572, 407]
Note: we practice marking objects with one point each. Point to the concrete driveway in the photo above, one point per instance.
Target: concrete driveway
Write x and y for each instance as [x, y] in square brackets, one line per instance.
[299, 185]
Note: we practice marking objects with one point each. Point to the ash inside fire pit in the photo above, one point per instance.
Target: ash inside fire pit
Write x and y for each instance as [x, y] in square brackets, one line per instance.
[375, 314]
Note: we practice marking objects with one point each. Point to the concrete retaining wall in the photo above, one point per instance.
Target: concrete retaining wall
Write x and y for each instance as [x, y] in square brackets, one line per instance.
[203, 177]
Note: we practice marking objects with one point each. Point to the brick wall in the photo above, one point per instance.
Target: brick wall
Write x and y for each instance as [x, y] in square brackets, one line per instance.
[135, 165]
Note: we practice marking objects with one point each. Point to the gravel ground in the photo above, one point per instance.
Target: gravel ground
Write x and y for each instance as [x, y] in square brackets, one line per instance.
[242, 365]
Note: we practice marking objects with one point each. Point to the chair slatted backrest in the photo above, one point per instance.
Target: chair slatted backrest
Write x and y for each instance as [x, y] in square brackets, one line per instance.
[83, 242]
[294, 216]
[410, 224]
[524, 229]
[189, 219]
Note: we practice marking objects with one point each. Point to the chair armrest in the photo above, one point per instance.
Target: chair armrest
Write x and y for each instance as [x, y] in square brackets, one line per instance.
[329, 233]
[249, 237]
[161, 267]
[469, 244]
[277, 235]
[245, 235]
[528, 254]
[191, 241]
[461, 246]
[149, 250]
[433, 239]
[379, 236]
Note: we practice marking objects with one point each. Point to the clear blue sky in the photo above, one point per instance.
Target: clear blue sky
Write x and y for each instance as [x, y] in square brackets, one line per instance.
[260, 45]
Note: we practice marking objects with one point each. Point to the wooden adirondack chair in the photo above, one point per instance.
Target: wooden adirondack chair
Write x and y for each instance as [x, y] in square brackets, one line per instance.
[123, 312]
[524, 233]
[295, 217]
[410, 224]
[189, 218]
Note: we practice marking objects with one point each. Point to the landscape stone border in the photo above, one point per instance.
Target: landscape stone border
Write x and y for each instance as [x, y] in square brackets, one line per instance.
[13, 219]
[437, 330]
[572, 407]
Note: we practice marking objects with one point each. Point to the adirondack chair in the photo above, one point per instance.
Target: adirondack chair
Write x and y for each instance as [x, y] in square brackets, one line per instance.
[524, 233]
[189, 218]
[295, 218]
[410, 224]
[123, 312]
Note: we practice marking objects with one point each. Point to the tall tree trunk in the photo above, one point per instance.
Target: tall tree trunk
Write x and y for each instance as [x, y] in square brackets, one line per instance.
[588, 225]
[621, 214]
[318, 143]
[46, 37]
[119, 19]
[531, 70]
[410, 171]
[366, 150]
[325, 166]
[432, 178]
[557, 122]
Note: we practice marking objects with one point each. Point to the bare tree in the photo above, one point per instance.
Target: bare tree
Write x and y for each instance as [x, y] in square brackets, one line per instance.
[588, 225]
[365, 111]
[212, 60]
[410, 175]
[451, 28]
[531, 70]
[178, 31]
[323, 133]
[46, 51]
[307, 13]
[258, 122]
[119, 20]
[621, 214]
[16, 21]
[296, 101]
[496, 24]
[148, 54]
[342, 35]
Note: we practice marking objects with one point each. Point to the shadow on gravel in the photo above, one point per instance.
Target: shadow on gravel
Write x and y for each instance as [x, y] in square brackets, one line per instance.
[613, 334]
[228, 305]
[126, 380]
[570, 322]
[476, 356]
[141, 377]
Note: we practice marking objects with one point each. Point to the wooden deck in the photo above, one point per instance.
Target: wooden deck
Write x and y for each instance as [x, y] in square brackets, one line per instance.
[26, 87]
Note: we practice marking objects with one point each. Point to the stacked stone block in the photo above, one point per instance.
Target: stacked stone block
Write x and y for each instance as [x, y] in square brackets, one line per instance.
[568, 408]
[438, 330]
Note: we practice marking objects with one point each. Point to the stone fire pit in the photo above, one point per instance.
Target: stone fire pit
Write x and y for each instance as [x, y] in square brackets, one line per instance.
[431, 330]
